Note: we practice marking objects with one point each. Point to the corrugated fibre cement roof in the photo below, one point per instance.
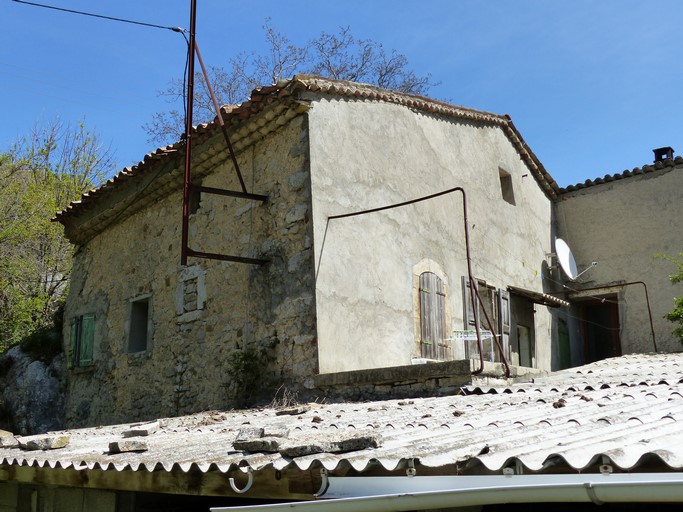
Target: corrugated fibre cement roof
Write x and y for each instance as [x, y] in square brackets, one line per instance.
[626, 412]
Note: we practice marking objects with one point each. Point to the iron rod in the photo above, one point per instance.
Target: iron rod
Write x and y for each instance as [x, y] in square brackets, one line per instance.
[230, 193]
[220, 119]
[647, 301]
[225, 257]
[473, 292]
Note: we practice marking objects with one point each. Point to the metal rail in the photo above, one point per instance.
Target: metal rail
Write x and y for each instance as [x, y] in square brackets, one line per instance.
[647, 301]
[473, 291]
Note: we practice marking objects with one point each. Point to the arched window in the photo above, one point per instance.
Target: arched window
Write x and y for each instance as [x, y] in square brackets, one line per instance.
[432, 317]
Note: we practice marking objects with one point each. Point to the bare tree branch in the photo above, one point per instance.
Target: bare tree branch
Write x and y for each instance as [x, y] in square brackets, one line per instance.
[337, 55]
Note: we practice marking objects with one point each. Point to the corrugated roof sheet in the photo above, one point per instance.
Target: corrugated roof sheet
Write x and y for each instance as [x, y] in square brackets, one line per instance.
[628, 409]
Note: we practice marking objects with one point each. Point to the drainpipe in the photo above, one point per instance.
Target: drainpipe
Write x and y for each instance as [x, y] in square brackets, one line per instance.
[579, 488]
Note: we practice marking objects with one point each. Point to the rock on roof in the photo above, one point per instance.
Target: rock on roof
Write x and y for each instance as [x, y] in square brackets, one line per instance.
[627, 412]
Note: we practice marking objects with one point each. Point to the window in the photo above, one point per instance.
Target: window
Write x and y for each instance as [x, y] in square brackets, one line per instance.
[506, 186]
[82, 340]
[494, 303]
[432, 317]
[139, 333]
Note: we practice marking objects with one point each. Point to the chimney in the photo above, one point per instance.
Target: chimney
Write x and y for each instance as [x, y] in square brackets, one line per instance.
[663, 153]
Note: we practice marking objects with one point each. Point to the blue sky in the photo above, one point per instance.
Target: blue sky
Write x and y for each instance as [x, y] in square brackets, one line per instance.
[593, 86]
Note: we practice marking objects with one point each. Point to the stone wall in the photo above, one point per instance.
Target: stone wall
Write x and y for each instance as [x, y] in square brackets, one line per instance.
[622, 225]
[210, 321]
[420, 380]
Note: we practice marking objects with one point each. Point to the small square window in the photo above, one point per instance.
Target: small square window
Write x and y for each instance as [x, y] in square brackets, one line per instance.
[139, 334]
[506, 186]
[82, 340]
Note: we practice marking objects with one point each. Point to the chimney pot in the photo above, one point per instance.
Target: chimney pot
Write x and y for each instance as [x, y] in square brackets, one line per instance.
[663, 153]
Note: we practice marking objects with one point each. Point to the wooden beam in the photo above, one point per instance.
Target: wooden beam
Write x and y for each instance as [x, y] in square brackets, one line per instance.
[290, 484]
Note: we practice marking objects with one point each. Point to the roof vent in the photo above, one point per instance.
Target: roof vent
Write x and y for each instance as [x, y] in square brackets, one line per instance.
[663, 153]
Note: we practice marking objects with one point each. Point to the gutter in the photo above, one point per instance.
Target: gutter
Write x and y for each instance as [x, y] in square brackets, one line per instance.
[396, 494]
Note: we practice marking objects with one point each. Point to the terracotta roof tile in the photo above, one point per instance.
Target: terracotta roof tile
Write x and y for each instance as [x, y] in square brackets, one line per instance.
[647, 168]
[267, 95]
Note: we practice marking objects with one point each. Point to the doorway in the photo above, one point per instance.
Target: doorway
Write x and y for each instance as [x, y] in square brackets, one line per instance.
[600, 329]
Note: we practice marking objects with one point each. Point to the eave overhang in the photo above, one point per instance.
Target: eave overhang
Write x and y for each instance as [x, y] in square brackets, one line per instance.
[539, 297]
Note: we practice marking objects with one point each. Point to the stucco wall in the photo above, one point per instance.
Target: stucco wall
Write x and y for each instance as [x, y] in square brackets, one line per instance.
[367, 154]
[203, 314]
[622, 225]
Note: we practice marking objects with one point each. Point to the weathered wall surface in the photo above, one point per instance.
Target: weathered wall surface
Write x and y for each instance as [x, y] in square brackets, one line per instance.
[31, 393]
[622, 225]
[367, 154]
[204, 315]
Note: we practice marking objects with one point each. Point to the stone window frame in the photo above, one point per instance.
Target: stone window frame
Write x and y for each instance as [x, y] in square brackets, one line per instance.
[196, 275]
[430, 266]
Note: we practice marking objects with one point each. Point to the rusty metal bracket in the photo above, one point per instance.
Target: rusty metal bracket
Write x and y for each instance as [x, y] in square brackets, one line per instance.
[188, 187]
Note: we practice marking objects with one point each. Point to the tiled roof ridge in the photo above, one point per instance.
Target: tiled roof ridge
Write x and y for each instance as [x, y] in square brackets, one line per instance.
[263, 96]
[368, 91]
[628, 173]
[422, 103]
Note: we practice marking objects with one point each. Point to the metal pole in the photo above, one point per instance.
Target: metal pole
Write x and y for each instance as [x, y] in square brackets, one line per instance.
[187, 182]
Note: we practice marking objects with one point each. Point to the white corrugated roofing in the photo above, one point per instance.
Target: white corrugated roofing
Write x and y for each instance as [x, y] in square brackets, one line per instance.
[627, 409]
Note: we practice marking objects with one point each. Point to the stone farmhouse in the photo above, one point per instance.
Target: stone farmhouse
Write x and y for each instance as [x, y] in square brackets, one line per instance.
[329, 304]
[371, 219]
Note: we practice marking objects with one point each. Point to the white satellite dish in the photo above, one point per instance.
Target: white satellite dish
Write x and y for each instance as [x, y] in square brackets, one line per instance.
[566, 259]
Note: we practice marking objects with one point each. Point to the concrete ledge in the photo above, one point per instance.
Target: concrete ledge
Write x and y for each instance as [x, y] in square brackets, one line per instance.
[457, 373]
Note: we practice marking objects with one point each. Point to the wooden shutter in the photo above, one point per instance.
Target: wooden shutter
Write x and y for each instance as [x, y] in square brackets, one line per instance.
[468, 309]
[432, 316]
[504, 320]
[87, 340]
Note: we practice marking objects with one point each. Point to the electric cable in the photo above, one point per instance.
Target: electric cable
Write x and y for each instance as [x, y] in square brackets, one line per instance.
[178, 30]
[101, 16]
[187, 63]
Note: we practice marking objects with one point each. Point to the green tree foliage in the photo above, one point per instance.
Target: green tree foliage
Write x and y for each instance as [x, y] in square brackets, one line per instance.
[339, 55]
[676, 316]
[40, 175]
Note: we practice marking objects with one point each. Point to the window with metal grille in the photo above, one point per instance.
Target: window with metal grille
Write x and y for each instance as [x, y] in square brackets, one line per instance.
[496, 304]
[432, 317]
[82, 340]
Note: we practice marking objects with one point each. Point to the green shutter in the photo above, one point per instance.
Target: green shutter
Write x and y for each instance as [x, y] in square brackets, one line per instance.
[87, 340]
[74, 341]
